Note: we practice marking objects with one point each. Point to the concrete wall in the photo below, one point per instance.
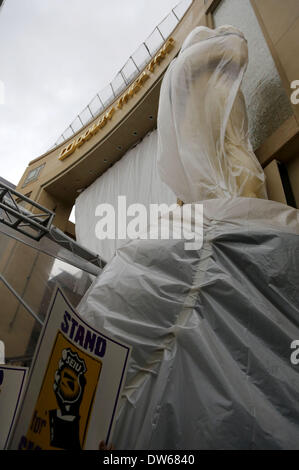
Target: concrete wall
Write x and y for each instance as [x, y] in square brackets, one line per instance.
[267, 102]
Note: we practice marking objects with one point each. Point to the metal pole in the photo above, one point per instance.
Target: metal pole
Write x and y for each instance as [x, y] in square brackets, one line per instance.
[145, 45]
[161, 33]
[124, 78]
[27, 307]
[175, 15]
[135, 64]
[112, 89]
[80, 120]
[90, 110]
[100, 100]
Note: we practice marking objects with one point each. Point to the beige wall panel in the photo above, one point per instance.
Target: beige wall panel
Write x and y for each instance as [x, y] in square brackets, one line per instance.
[279, 15]
[288, 51]
[274, 184]
[283, 144]
[62, 209]
[283, 40]
[293, 171]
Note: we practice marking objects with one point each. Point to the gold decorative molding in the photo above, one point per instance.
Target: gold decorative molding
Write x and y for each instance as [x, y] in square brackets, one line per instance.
[133, 89]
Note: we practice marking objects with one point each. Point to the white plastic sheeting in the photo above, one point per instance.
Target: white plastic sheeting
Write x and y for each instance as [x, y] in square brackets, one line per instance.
[211, 332]
[211, 329]
[134, 176]
[204, 150]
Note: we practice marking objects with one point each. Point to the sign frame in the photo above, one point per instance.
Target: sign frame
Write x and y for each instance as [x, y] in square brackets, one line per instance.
[53, 326]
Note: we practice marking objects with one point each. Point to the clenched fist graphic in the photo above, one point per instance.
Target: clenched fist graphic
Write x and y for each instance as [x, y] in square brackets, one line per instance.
[69, 385]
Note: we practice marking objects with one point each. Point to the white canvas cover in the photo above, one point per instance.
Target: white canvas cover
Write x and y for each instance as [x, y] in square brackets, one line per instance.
[211, 332]
[134, 176]
[203, 145]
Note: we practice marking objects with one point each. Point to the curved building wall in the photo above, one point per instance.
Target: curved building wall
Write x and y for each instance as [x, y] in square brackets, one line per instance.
[267, 102]
[55, 179]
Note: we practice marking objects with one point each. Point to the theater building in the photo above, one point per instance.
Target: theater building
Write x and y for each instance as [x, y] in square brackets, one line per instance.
[109, 149]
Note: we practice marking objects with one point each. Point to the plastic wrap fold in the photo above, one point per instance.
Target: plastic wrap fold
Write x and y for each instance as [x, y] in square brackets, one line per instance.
[211, 332]
[134, 176]
[204, 150]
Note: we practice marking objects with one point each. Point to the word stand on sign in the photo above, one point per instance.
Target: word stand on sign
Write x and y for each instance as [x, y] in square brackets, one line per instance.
[74, 386]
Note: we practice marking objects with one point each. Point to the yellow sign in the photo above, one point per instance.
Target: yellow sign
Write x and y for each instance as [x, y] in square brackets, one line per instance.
[74, 387]
[134, 88]
[63, 408]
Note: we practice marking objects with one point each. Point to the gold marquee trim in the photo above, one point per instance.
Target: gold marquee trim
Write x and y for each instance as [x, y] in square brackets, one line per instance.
[134, 89]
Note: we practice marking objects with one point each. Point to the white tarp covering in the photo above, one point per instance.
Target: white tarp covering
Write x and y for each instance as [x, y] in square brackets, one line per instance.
[211, 332]
[203, 145]
[134, 176]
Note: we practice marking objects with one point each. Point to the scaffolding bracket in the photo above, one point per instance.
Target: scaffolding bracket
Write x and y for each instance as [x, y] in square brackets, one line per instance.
[34, 224]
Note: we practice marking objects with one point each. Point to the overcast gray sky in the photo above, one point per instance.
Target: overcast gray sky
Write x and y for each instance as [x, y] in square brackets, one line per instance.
[55, 55]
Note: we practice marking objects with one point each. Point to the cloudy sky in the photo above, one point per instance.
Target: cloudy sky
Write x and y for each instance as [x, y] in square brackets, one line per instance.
[55, 55]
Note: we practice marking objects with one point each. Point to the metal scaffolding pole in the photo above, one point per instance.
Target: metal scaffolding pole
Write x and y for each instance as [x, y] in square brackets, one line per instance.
[15, 293]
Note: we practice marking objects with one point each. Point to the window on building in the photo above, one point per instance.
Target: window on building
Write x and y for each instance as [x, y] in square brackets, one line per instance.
[32, 175]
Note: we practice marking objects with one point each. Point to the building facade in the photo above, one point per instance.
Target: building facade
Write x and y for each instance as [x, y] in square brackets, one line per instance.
[114, 131]
[56, 178]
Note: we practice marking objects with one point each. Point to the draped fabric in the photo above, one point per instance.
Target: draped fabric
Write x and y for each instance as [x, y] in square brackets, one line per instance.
[136, 177]
[211, 332]
[203, 145]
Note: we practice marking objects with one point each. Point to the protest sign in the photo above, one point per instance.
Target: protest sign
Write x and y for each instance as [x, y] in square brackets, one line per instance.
[74, 385]
[12, 385]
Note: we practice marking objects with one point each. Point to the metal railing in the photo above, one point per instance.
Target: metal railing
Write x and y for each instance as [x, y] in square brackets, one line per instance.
[35, 256]
[34, 225]
[29, 273]
[132, 68]
[37, 225]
